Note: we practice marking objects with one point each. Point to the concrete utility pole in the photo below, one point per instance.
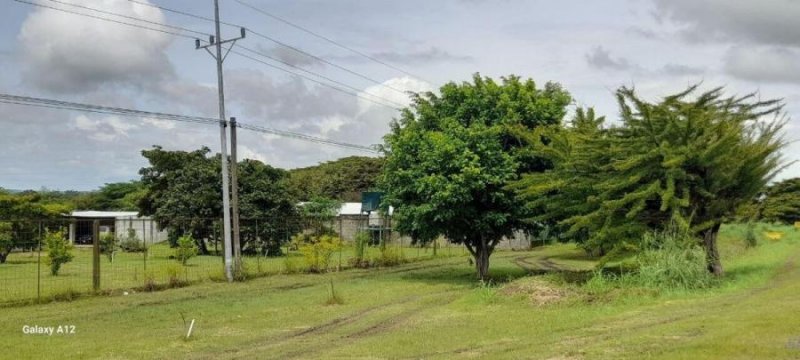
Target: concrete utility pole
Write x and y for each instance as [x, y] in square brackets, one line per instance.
[237, 247]
[216, 42]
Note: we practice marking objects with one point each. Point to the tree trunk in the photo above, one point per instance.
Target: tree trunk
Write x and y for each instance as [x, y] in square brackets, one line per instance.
[712, 254]
[3, 257]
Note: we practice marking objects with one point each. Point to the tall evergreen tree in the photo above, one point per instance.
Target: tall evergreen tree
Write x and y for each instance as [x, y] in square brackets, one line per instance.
[678, 162]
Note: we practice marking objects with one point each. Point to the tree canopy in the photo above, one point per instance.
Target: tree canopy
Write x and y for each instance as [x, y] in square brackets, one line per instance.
[449, 158]
[684, 161]
[342, 179]
[183, 193]
[782, 202]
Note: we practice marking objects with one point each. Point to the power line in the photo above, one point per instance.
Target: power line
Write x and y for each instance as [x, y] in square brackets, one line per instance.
[317, 75]
[130, 17]
[313, 80]
[303, 29]
[106, 19]
[66, 105]
[238, 53]
[276, 41]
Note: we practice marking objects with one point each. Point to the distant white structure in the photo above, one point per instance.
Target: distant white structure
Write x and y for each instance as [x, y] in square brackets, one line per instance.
[119, 223]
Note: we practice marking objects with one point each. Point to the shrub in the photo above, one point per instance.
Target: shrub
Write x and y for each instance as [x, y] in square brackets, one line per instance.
[668, 260]
[389, 256]
[186, 249]
[318, 251]
[58, 251]
[750, 238]
[108, 245]
[131, 243]
[174, 276]
[360, 244]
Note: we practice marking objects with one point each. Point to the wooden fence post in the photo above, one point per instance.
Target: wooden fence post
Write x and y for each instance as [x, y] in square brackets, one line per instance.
[96, 255]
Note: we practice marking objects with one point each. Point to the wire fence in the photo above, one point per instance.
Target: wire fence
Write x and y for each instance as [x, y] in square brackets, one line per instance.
[138, 254]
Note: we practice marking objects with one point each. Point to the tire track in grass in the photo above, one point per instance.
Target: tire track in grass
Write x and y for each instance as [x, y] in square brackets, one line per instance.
[250, 349]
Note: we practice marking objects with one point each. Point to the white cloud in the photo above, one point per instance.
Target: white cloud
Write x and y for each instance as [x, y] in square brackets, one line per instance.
[65, 53]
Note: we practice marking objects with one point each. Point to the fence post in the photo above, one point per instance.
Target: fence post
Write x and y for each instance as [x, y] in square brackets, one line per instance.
[96, 255]
[39, 266]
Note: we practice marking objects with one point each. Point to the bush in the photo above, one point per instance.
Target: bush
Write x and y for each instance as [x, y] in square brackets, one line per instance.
[186, 249]
[668, 260]
[389, 256]
[108, 245]
[131, 243]
[58, 251]
[750, 238]
[318, 251]
[174, 276]
[361, 242]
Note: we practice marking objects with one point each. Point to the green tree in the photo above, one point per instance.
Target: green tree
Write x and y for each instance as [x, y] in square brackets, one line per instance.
[21, 215]
[450, 157]
[685, 162]
[183, 194]
[342, 179]
[782, 202]
[59, 251]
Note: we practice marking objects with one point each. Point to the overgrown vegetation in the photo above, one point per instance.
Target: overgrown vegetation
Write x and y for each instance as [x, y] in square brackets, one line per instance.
[318, 250]
[186, 249]
[59, 251]
[682, 160]
[108, 245]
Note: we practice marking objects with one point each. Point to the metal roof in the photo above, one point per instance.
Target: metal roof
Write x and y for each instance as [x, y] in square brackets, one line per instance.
[104, 214]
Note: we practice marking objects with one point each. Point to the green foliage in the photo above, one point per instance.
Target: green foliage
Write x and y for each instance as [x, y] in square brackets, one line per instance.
[183, 192]
[360, 245]
[59, 251]
[108, 245]
[782, 202]
[131, 243]
[389, 256]
[689, 162]
[450, 157]
[318, 251]
[750, 238]
[343, 179]
[186, 249]
[671, 260]
[6, 240]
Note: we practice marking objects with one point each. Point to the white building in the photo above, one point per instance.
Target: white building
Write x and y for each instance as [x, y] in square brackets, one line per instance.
[120, 223]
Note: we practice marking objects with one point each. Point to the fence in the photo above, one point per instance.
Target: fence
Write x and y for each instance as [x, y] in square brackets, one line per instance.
[135, 254]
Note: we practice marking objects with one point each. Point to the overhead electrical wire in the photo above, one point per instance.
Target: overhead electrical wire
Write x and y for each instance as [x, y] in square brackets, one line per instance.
[276, 41]
[356, 93]
[262, 54]
[323, 37]
[67, 105]
[107, 19]
[130, 17]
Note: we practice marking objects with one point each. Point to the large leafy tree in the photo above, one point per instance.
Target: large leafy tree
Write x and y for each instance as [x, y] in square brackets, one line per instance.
[782, 202]
[183, 194]
[21, 216]
[685, 161]
[450, 157]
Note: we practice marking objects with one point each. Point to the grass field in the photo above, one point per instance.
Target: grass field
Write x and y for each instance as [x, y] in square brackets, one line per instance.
[434, 309]
[25, 276]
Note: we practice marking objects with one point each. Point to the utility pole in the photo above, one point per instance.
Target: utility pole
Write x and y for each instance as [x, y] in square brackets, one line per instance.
[216, 42]
[237, 247]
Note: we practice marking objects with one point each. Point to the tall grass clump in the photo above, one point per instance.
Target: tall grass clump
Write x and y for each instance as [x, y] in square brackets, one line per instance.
[666, 260]
[672, 260]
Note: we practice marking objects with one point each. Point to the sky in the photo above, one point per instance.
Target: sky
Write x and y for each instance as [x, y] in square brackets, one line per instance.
[590, 47]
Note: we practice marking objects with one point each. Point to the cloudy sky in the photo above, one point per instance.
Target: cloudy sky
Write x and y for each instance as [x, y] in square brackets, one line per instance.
[591, 47]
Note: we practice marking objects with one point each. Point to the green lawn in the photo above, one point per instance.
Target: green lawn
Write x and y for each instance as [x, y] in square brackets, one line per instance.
[26, 276]
[434, 309]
